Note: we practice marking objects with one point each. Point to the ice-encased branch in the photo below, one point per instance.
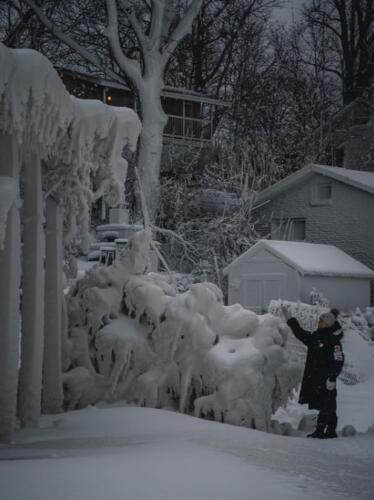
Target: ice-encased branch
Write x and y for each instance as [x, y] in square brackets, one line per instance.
[129, 66]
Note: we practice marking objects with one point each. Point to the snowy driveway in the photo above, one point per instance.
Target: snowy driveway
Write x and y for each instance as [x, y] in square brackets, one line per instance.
[143, 454]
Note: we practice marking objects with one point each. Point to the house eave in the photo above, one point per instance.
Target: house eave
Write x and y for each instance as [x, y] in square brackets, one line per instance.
[292, 180]
[303, 272]
[168, 91]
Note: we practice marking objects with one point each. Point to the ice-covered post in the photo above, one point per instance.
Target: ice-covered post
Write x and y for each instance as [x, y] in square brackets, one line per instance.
[10, 261]
[30, 375]
[52, 367]
[157, 44]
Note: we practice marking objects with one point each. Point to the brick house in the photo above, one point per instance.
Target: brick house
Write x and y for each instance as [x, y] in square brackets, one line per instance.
[322, 204]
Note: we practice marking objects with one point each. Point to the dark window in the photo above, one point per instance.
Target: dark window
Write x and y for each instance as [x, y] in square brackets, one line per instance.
[172, 106]
[119, 97]
[192, 109]
[321, 193]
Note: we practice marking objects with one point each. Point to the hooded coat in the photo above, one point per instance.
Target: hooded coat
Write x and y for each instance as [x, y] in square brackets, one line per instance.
[325, 359]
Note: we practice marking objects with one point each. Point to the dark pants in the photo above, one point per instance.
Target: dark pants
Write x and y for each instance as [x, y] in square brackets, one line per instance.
[327, 415]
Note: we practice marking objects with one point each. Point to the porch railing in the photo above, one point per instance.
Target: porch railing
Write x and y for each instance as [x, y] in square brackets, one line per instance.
[195, 129]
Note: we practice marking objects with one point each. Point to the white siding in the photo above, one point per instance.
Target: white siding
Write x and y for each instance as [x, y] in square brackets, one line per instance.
[253, 282]
[343, 293]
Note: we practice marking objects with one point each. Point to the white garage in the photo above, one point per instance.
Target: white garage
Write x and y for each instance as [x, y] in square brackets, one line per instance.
[289, 270]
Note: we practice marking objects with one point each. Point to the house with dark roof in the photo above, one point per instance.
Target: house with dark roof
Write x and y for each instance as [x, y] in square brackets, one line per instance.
[322, 204]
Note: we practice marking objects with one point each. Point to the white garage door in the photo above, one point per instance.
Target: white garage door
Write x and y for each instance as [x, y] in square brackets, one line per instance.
[256, 291]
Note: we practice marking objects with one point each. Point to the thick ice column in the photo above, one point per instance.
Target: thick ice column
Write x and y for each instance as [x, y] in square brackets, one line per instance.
[10, 271]
[30, 377]
[52, 395]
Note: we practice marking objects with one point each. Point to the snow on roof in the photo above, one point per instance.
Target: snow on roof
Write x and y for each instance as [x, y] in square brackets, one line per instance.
[357, 178]
[310, 259]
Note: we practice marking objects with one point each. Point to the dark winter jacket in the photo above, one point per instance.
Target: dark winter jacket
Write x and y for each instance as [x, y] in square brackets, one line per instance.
[324, 361]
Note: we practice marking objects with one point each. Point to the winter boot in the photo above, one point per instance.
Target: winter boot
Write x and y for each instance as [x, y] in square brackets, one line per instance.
[330, 433]
[331, 427]
[319, 433]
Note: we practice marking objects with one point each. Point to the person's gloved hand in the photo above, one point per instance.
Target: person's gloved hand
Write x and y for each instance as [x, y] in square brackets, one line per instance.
[286, 313]
[330, 386]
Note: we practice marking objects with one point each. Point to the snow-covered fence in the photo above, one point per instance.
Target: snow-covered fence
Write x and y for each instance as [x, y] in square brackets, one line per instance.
[64, 153]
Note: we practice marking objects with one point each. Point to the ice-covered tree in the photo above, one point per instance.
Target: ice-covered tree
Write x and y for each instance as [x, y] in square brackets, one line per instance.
[157, 27]
[134, 337]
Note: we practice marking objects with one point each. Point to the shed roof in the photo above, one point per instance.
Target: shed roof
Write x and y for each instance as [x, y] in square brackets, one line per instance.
[357, 178]
[310, 259]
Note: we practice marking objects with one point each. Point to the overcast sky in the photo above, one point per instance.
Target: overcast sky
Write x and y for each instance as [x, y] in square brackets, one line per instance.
[290, 8]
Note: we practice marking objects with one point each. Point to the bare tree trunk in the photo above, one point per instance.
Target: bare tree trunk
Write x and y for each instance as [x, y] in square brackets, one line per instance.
[53, 323]
[30, 376]
[10, 272]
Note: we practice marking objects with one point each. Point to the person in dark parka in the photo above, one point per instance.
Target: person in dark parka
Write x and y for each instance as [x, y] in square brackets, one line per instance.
[324, 362]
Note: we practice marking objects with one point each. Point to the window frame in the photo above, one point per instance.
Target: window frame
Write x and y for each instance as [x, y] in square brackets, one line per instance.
[287, 221]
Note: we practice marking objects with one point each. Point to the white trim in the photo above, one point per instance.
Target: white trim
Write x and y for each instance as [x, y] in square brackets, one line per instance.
[366, 273]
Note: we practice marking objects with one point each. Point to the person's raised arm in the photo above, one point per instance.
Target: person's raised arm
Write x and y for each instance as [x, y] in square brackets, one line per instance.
[296, 329]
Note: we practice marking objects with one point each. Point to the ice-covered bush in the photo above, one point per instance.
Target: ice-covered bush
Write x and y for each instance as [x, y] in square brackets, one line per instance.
[134, 337]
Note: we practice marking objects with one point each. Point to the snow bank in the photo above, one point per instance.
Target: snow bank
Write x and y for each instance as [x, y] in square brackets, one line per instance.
[159, 348]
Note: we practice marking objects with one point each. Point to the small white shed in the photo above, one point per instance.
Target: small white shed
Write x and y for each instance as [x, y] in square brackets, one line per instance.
[289, 270]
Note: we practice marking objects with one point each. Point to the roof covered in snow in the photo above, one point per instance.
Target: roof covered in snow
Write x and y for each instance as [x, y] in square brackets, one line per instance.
[360, 179]
[309, 259]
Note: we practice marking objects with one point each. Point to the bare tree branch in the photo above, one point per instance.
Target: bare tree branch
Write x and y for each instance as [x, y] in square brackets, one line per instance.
[156, 22]
[140, 35]
[183, 27]
[63, 37]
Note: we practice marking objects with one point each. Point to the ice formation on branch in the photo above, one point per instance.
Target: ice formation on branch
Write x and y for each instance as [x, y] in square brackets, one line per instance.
[80, 141]
[159, 348]
[65, 153]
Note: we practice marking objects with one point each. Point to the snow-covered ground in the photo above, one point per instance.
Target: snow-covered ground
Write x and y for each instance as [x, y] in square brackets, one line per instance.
[128, 453]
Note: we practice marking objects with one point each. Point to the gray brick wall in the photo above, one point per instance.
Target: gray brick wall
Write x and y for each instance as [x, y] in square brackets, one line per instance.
[348, 222]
